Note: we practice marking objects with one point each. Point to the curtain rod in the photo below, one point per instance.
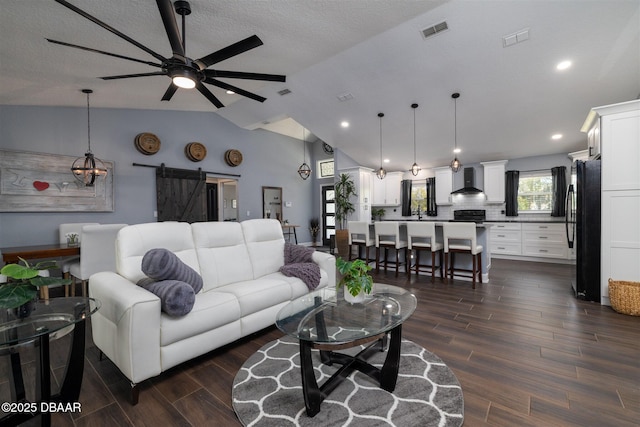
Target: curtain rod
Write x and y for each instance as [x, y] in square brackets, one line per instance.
[534, 170]
[187, 170]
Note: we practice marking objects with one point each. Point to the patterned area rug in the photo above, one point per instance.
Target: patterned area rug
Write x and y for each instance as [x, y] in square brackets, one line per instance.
[267, 391]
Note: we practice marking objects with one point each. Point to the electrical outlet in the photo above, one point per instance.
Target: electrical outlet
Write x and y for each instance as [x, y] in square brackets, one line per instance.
[248, 214]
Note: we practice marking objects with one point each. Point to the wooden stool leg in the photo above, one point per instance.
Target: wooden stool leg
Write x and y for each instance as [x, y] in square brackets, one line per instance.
[44, 293]
[441, 267]
[473, 271]
[377, 259]
[480, 267]
[446, 266]
[433, 266]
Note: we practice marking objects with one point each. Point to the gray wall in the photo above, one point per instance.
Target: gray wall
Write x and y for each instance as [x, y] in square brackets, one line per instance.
[269, 159]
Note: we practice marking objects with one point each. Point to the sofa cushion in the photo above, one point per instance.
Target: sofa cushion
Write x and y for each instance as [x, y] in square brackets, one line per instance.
[134, 241]
[176, 297]
[222, 253]
[265, 244]
[162, 264]
[211, 310]
[256, 295]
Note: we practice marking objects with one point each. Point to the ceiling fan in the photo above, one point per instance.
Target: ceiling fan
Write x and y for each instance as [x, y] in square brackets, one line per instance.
[184, 72]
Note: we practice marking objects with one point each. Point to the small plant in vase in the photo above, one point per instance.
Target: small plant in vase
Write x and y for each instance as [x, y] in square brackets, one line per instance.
[24, 282]
[314, 229]
[377, 213]
[355, 278]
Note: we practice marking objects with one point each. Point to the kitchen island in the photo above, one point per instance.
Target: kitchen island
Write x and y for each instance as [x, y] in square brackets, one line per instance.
[462, 261]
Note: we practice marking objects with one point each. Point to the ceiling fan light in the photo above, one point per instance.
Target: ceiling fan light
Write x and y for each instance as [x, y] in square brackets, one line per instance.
[184, 82]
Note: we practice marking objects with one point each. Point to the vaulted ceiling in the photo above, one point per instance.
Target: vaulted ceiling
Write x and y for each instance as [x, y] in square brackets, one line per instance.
[348, 61]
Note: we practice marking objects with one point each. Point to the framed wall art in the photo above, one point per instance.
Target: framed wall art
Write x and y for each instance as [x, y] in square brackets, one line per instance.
[41, 182]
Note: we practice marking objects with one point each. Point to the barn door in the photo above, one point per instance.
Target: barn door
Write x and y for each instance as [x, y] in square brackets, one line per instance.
[181, 195]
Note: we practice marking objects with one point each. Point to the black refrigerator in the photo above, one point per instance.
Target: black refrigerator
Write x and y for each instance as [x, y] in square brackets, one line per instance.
[583, 228]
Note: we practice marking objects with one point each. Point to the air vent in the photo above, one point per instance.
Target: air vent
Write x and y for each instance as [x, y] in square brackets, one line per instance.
[515, 38]
[344, 96]
[284, 92]
[434, 29]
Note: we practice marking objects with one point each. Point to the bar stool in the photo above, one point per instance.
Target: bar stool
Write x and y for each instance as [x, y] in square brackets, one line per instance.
[421, 236]
[464, 240]
[360, 236]
[388, 236]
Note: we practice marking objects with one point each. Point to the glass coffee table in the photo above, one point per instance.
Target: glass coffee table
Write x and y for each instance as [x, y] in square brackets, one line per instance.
[323, 320]
[37, 325]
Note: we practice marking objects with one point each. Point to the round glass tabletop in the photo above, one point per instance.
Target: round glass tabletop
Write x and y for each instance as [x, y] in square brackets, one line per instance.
[323, 316]
[56, 317]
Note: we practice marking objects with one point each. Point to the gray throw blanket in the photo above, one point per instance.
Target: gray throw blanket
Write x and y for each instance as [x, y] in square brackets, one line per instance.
[298, 263]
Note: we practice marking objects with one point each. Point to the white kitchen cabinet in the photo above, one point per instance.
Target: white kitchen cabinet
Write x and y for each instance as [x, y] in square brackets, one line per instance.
[444, 185]
[506, 238]
[362, 204]
[494, 180]
[386, 192]
[545, 240]
[619, 145]
[593, 141]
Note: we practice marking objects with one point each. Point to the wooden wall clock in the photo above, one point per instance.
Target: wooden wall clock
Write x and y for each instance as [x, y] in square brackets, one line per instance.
[147, 143]
[195, 151]
[233, 157]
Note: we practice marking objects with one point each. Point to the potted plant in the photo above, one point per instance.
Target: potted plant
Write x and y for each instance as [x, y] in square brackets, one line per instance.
[345, 188]
[314, 229]
[23, 282]
[377, 213]
[355, 278]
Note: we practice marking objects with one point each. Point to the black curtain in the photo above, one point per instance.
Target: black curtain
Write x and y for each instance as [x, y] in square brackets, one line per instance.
[559, 183]
[432, 208]
[511, 192]
[406, 197]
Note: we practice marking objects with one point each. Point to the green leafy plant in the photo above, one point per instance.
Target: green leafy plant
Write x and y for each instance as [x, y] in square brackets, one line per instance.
[344, 189]
[377, 213]
[23, 282]
[355, 276]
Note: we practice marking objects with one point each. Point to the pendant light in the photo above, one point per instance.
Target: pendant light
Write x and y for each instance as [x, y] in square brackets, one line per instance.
[86, 169]
[304, 170]
[415, 169]
[455, 164]
[381, 172]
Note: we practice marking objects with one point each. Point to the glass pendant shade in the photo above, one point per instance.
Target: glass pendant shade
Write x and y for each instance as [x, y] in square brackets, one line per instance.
[304, 170]
[86, 169]
[455, 163]
[415, 169]
[381, 172]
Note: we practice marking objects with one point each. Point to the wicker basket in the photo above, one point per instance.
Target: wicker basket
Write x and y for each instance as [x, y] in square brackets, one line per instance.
[625, 297]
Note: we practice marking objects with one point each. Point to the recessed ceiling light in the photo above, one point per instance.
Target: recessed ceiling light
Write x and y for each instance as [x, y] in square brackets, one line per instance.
[344, 124]
[457, 150]
[556, 136]
[563, 65]
[230, 92]
[386, 160]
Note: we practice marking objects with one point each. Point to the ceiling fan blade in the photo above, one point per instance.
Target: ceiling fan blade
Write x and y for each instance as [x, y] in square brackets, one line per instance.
[169, 93]
[246, 76]
[104, 53]
[211, 97]
[128, 76]
[229, 51]
[171, 26]
[237, 90]
[111, 29]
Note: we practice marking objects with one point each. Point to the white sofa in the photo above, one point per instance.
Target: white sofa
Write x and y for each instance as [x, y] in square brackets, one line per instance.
[242, 293]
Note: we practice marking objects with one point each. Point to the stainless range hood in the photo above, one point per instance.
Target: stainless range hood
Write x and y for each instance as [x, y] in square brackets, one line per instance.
[469, 183]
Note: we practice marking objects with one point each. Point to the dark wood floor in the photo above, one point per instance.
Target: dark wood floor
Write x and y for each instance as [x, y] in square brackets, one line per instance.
[524, 350]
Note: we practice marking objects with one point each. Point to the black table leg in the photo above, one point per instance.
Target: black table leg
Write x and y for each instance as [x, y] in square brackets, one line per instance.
[43, 377]
[70, 390]
[389, 371]
[312, 394]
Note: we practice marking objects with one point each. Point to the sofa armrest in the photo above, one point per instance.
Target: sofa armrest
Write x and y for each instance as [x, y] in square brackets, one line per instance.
[126, 328]
[326, 262]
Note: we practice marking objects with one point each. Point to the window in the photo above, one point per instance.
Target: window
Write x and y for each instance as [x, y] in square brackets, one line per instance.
[418, 196]
[535, 191]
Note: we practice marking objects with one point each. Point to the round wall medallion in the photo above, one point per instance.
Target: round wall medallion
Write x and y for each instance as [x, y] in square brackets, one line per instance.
[195, 151]
[233, 157]
[147, 143]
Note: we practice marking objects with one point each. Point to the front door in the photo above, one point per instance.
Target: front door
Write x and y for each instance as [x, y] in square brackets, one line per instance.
[328, 214]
